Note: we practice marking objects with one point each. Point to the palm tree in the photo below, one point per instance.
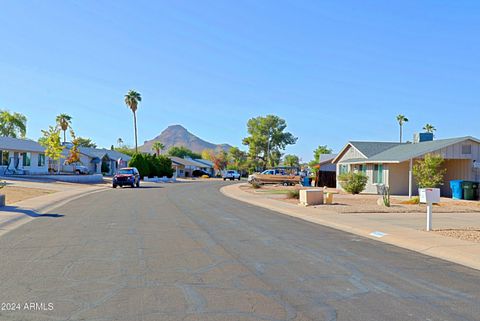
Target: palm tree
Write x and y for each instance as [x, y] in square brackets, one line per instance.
[12, 124]
[64, 121]
[429, 128]
[119, 142]
[401, 120]
[157, 147]
[132, 98]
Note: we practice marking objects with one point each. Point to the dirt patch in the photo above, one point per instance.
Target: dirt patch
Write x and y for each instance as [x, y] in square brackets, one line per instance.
[15, 194]
[467, 234]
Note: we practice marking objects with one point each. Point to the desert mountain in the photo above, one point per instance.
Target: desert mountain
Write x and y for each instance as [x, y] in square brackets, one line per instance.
[177, 135]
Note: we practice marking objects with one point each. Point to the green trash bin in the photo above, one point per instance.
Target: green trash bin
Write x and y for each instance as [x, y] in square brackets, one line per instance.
[469, 192]
[476, 190]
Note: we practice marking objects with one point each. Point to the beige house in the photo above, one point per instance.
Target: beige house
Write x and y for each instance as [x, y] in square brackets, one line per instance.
[390, 164]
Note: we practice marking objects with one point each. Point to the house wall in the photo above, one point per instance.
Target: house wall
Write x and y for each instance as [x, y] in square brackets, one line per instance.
[33, 168]
[351, 153]
[455, 152]
[397, 178]
[456, 169]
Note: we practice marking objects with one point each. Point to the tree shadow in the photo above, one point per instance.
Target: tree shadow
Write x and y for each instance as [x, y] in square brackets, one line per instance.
[27, 212]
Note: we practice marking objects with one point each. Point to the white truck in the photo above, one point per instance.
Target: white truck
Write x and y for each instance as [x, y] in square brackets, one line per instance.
[231, 175]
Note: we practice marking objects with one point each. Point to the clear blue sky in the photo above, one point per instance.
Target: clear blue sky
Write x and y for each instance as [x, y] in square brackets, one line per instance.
[335, 70]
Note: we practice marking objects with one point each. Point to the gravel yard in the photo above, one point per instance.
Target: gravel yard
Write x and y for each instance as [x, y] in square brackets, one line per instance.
[366, 203]
[467, 234]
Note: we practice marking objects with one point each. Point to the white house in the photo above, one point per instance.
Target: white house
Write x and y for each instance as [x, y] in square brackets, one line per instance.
[22, 156]
[94, 158]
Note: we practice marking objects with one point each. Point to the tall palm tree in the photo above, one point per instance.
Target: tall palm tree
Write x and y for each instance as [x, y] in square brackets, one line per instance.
[429, 128]
[64, 121]
[157, 147]
[132, 98]
[119, 142]
[401, 120]
[12, 124]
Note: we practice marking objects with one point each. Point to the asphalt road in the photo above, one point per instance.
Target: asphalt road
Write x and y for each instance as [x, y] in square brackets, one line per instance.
[186, 252]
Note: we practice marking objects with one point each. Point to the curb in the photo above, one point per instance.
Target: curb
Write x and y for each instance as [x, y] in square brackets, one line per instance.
[442, 251]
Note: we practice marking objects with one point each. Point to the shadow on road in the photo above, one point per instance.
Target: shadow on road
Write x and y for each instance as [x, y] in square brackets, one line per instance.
[14, 209]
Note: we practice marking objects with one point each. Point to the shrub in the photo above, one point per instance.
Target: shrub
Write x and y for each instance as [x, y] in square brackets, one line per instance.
[427, 171]
[353, 182]
[294, 193]
[105, 168]
[139, 161]
[205, 176]
[414, 200]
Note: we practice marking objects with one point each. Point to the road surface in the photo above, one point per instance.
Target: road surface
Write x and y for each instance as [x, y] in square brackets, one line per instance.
[186, 252]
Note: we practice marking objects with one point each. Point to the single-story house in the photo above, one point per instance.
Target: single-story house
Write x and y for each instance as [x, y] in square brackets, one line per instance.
[391, 164]
[96, 158]
[184, 167]
[22, 156]
[208, 166]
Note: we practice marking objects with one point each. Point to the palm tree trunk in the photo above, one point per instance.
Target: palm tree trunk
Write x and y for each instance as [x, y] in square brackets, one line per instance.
[400, 133]
[135, 126]
[64, 137]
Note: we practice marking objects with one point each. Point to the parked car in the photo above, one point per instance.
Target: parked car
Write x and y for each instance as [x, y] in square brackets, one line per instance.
[81, 170]
[231, 175]
[199, 173]
[126, 176]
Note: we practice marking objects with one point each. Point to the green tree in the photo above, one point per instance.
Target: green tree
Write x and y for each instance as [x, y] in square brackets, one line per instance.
[401, 119]
[353, 182]
[429, 128]
[132, 98]
[181, 151]
[139, 161]
[86, 142]
[320, 150]
[428, 172]
[157, 147]
[51, 142]
[64, 122]
[12, 124]
[206, 153]
[127, 150]
[291, 160]
[237, 157]
[74, 153]
[267, 137]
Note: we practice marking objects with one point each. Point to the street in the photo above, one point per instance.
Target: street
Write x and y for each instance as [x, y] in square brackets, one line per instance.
[186, 252]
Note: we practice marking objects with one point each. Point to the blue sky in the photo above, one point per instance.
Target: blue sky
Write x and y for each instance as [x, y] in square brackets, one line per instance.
[335, 70]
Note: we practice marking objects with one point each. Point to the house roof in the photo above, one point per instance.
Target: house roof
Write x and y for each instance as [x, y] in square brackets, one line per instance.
[18, 144]
[326, 158]
[205, 161]
[100, 153]
[378, 152]
[186, 162]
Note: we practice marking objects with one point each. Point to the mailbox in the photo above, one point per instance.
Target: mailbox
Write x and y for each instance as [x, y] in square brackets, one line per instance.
[429, 195]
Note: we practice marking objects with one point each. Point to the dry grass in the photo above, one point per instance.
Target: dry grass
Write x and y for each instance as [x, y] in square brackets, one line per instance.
[15, 194]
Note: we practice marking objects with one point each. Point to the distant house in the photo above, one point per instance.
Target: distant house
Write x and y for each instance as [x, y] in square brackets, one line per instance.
[325, 163]
[184, 167]
[387, 163]
[22, 156]
[93, 158]
[208, 166]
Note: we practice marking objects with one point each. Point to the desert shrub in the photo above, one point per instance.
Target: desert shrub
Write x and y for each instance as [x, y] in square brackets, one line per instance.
[353, 182]
[294, 193]
[428, 172]
[414, 200]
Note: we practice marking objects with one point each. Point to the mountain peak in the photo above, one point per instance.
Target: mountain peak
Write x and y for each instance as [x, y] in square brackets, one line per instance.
[177, 135]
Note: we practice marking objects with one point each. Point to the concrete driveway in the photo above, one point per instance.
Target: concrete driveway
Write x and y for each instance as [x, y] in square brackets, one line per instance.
[186, 252]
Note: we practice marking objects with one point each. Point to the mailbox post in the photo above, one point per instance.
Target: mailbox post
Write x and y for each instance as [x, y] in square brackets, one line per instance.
[429, 196]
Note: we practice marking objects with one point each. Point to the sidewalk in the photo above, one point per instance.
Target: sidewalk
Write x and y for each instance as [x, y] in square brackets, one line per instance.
[17, 214]
[403, 230]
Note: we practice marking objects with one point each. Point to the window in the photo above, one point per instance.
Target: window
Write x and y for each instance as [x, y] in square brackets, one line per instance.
[343, 169]
[41, 160]
[4, 157]
[362, 168]
[378, 174]
[466, 149]
[26, 158]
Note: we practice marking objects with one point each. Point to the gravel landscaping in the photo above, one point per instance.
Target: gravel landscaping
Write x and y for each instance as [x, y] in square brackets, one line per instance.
[467, 234]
